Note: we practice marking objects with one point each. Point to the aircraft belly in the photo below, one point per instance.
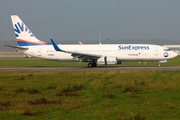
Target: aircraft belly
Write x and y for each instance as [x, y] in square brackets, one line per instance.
[60, 56]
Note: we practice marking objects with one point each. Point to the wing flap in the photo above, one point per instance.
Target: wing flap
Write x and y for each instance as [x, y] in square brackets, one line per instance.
[83, 56]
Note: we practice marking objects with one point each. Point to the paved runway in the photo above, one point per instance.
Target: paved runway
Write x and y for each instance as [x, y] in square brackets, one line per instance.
[84, 68]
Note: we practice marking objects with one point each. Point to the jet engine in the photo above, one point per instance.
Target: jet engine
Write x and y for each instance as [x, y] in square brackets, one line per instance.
[108, 60]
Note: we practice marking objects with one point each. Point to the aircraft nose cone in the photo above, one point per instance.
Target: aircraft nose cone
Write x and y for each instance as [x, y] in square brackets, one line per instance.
[173, 54]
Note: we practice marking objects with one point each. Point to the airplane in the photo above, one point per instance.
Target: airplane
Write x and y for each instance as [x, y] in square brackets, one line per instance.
[80, 42]
[101, 54]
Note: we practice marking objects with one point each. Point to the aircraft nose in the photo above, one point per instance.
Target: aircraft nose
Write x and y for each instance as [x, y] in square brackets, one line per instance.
[173, 54]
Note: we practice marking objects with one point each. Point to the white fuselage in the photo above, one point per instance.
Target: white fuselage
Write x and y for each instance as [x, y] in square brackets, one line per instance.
[123, 52]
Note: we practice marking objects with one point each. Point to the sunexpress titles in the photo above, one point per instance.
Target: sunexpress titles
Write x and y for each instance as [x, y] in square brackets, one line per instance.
[130, 47]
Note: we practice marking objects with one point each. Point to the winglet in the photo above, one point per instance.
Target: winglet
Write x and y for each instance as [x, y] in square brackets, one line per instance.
[55, 46]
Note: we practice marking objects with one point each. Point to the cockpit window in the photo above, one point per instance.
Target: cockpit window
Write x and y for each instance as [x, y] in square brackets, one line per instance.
[165, 49]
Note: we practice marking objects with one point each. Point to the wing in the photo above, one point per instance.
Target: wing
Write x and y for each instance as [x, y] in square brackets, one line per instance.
[80, 56]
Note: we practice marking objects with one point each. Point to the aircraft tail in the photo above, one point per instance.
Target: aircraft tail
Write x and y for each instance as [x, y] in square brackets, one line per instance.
[80, 42]
[24, 36]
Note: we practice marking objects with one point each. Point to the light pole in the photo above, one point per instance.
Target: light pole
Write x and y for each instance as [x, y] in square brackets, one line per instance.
[100, 34]
[107, 40]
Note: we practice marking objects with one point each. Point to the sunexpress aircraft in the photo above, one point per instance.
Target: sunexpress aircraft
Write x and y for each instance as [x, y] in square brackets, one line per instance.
[102, 54]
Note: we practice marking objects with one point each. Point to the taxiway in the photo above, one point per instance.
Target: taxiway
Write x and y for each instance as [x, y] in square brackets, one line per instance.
[84, 68]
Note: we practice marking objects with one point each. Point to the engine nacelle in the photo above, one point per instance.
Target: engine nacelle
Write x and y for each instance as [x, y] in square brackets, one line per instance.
[108, 60]
[162, 61]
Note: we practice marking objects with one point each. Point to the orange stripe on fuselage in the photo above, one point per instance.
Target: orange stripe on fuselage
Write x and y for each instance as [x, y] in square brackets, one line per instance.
[40, 42]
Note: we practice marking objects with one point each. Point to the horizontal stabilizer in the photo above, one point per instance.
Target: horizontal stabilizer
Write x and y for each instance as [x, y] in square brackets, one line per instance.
[21, 48]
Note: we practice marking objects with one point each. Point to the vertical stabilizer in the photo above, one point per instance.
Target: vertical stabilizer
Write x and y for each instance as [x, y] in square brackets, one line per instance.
[24, 36]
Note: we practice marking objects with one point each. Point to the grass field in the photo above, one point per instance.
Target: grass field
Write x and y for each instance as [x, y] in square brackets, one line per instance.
[15, 62]
[119, 95]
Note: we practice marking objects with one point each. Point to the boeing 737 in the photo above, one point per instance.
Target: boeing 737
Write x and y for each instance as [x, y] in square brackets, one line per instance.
[102, 54]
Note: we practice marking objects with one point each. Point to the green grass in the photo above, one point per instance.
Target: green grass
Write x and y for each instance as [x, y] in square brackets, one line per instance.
[29, 62]
[119, 95]
[15, 62]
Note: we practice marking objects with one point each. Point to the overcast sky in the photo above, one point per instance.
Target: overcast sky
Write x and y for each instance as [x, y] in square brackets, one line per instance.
[79, 19]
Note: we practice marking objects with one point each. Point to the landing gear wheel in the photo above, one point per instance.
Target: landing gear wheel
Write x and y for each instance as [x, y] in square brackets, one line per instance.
[159, 65]
[94, 64]
[90, 65]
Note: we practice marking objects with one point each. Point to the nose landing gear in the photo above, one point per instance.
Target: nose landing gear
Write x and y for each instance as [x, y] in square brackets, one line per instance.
[159, 65]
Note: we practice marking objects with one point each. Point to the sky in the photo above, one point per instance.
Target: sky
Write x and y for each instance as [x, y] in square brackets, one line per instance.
[79, 19]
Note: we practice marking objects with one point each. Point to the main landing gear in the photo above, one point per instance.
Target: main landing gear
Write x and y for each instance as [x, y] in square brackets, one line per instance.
[92, 65]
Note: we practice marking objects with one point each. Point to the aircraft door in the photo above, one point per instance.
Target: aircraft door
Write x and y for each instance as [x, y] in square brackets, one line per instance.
[156, 51]
[105, 59]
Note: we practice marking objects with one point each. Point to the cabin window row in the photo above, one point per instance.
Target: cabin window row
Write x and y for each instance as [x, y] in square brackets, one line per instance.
[106, 51]
[51, 51]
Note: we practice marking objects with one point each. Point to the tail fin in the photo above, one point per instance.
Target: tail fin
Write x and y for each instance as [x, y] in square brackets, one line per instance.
[24, 36]
[80, 42]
